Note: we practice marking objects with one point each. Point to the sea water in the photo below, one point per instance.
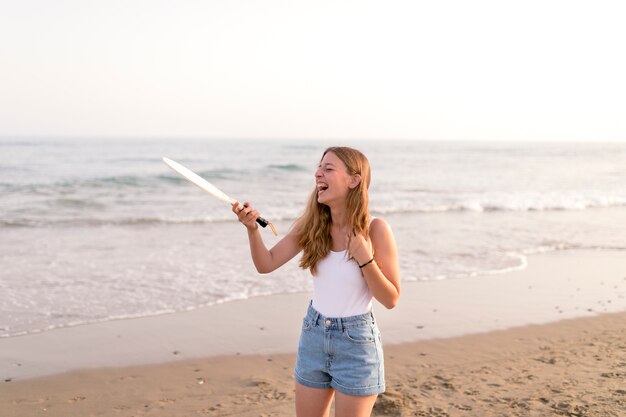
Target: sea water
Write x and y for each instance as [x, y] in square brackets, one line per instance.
[101, 229]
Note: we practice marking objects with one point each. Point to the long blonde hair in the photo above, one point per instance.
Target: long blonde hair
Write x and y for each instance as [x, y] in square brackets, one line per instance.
[313, 227]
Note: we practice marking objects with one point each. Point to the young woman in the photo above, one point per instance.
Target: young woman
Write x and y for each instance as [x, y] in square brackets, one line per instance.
[352, 258]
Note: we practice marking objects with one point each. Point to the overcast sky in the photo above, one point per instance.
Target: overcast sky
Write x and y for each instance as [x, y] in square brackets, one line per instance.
[498, 70]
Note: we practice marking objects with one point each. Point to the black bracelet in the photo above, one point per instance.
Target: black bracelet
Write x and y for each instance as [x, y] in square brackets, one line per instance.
[368, 262]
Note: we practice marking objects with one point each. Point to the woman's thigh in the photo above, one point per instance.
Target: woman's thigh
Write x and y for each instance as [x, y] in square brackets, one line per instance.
[313, 402]
[354, 406]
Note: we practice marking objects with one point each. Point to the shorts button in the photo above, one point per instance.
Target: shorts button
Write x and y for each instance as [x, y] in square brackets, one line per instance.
[328, 322]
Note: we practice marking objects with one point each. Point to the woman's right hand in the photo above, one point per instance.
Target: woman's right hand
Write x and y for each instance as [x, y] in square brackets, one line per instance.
[246, 215]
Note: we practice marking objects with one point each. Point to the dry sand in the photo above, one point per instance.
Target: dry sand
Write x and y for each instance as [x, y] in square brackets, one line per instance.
[478, 346]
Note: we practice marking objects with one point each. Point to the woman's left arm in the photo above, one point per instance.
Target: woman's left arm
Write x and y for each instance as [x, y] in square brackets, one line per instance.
[383, 274]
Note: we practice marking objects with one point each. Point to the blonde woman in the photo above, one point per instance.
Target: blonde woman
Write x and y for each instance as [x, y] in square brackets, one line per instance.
[352, 258]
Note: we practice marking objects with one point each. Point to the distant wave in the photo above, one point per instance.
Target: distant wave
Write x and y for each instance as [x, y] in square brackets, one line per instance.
[128, 221]
[131, 180]
[12, 143]
[122, 221]
[120, 181]
[17, 223]
[287, 167]
[85, 203]
[494, 207]
[100, 182]
[40, 221]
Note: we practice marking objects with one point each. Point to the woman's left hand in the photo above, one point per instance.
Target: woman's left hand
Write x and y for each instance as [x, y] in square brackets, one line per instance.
[360, 248]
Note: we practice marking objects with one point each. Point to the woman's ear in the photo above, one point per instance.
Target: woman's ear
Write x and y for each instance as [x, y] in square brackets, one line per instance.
[356, 180]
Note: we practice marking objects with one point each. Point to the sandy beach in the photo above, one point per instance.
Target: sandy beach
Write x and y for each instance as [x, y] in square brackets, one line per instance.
[486, 141]
[545, 340]
[571, 368]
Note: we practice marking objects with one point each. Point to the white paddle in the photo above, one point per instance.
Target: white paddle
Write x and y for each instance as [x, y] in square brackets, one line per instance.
[209, 188]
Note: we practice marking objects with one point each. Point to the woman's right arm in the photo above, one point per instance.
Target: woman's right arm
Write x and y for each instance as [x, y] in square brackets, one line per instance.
[265, 260]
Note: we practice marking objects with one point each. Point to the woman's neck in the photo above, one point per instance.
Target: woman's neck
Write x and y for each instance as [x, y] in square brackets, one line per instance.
[338, 217]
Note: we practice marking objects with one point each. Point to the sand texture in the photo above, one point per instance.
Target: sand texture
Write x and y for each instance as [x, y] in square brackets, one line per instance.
[574, 367]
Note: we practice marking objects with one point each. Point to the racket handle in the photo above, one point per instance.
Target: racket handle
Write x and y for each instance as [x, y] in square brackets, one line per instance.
[264, 223]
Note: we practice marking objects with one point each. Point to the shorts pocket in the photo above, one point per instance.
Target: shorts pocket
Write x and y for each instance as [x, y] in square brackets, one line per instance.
[360, 334]
[307, 324]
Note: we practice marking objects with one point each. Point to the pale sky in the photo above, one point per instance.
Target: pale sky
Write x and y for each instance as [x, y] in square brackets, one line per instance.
[481, 70]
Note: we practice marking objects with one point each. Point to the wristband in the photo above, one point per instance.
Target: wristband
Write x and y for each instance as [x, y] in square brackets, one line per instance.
[368, 262]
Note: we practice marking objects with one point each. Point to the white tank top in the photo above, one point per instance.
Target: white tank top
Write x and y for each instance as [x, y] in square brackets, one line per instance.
[339, 288]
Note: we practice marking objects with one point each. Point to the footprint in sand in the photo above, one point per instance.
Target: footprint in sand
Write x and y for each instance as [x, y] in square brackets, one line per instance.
[259, 382]
[390, 403]
[463, 407]
[164, 401]
[76, 399]
[612, 375]
[550, 361]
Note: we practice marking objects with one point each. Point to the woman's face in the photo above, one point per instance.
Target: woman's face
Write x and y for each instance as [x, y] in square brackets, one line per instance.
[332, 179]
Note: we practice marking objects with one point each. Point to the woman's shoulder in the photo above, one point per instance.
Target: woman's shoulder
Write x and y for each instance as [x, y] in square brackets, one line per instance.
[379, 226]
[381, 236]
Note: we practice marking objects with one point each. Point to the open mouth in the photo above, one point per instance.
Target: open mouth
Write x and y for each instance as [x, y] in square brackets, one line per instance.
[321, 188]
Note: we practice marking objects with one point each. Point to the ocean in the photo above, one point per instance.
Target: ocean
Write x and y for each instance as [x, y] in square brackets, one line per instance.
[101, 229]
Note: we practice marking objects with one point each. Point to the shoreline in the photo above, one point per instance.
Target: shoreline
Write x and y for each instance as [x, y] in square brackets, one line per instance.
[555, 286]
[574, 367]
[523, 265]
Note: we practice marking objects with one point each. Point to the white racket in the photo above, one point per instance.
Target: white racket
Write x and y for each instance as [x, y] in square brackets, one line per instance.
[209, 188]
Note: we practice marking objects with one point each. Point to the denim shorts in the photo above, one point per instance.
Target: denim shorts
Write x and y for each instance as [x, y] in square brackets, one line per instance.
[344, 353]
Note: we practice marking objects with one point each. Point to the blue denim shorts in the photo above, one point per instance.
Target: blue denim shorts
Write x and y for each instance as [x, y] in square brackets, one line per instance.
[344, 353]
